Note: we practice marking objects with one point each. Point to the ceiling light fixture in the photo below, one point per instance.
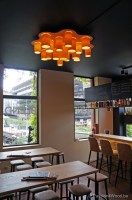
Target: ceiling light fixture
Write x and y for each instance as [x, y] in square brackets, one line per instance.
[62, 46]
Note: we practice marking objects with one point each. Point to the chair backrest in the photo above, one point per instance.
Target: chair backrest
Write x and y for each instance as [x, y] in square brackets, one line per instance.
[124, 152]
[94, 146]
[106, 148]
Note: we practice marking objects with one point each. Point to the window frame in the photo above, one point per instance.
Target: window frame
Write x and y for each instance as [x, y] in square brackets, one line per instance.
[81, 100]
[35, 97]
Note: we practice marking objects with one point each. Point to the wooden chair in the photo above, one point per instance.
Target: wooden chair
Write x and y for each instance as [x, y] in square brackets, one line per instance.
[94, 147]
[107, 151]
[124, 156]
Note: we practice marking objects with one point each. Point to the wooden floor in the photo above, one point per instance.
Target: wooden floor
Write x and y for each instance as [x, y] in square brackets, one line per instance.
[121, 192]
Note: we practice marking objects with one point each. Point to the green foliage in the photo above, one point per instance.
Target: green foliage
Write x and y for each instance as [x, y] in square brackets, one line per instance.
[85, 81]
[33, 123]
[129, 130]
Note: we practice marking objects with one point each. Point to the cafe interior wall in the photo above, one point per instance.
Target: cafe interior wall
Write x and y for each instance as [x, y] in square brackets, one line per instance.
[57, 114]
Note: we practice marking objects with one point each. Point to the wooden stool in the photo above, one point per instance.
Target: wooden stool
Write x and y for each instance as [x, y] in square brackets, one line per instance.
[106, 150]
[36, 190]
[43, 164]
[15, 163]
[47, 195]
[23, 167]
[58, 156]
[62, 184]
[36, 159]
[8, 197]
[94, 147]
[79, 190]
[99, 178]
[124, 156]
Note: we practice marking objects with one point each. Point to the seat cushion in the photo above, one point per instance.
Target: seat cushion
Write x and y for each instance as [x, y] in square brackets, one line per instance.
[67, 181]
[99, 177]
[79, 190]
[43, 164]
[23, 167]
[17, 162]
[47, 195]
[34, 159]
[39, 189]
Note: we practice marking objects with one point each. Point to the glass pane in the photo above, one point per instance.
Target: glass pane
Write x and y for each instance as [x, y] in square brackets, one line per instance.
[129, 130]
[19, 121]
[79, 86]
[83, 120]
[19, 82]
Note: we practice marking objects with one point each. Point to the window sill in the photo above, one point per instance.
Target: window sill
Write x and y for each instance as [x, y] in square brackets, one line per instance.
[22, 147]
[81, 139]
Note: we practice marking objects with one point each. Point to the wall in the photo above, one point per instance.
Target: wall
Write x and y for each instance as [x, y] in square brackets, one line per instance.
[104, 117]
[57, 114]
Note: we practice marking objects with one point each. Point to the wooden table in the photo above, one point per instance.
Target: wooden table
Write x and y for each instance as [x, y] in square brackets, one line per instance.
[11, 182]
[114, 139]
[28, 153]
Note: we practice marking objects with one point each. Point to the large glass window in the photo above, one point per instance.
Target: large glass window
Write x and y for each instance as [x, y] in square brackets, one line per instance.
[19, 107]
[83, 115]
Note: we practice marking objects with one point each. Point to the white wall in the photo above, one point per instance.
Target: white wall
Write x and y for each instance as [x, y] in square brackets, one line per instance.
[57, 114]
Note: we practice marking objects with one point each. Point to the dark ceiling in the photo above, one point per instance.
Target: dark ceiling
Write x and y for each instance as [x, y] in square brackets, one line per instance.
[109, 22]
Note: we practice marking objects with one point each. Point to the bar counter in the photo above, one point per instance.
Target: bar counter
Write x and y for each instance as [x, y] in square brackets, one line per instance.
[114, 139]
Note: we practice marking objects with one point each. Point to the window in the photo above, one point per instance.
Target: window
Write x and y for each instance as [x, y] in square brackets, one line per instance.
[83, 115]
[19, 107]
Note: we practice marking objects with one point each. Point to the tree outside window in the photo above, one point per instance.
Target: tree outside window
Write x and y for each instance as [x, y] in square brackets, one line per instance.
[19, 107]
[83, 115]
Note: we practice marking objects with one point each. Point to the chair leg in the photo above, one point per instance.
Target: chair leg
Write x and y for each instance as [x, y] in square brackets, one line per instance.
[28, 195]
[96, 190]
[89, 157]
[117, 172]
[66, 190]
[61, 191]
[101, 162]
[97, 161]
[52, 159]
[122, 169]
[131, 177]
[63, 158]
[110, 168]
[33, 197]
[125, 169]
[108, 165]
[106, 189]
[88, 184]
[19, 195]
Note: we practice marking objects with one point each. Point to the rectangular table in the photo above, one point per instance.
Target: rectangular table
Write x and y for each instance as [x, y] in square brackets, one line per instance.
[28, 153]
[11, 182]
